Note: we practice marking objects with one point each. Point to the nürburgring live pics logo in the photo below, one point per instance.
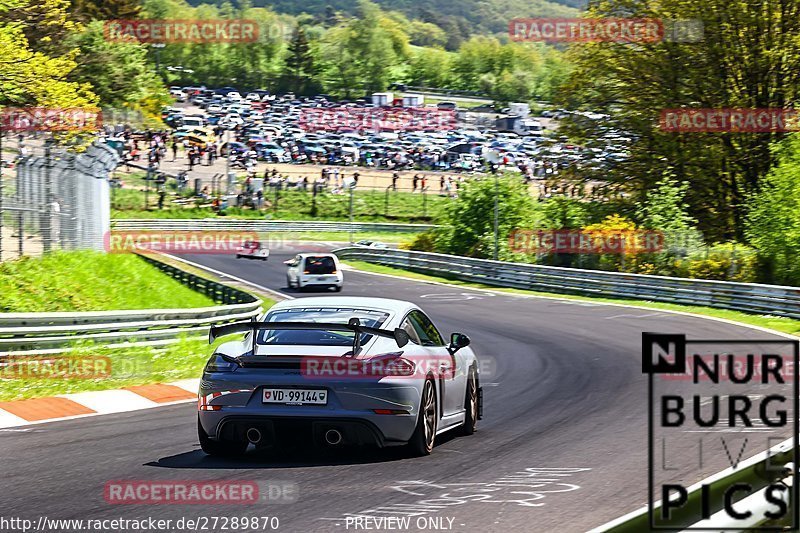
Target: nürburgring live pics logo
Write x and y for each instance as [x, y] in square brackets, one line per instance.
[711, 399]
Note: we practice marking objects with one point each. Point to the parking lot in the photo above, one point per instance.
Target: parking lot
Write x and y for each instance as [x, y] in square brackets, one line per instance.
[250, 133]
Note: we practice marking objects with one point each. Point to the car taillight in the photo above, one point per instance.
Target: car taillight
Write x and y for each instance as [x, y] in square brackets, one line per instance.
[202, 402]
[389, 412]
[399, 367]
[218, 363]
[306, 272]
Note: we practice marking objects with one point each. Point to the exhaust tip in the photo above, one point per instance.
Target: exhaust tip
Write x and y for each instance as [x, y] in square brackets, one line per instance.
[333, 437]
[253, 435]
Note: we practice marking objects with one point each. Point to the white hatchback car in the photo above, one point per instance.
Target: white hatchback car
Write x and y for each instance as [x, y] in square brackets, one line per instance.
[314, 270]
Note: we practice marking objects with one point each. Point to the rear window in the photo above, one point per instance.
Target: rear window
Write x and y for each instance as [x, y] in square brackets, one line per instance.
[320, 265]
[310, 337]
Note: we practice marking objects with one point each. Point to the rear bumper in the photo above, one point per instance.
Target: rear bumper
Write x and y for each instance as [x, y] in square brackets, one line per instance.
[314, 282]
[291, 431]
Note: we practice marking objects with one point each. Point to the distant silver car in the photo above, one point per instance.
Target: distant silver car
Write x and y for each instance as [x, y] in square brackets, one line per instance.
[337, 371]
[371, 244]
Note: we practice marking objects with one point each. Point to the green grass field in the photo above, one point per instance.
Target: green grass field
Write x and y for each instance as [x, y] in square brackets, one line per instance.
[90, 281]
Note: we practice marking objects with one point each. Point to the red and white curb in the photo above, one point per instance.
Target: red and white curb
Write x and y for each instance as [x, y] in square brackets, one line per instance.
[84, 404]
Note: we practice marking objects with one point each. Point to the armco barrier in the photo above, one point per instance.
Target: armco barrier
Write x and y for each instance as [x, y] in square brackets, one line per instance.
[746, 297]
[259, 225]
[42, 333]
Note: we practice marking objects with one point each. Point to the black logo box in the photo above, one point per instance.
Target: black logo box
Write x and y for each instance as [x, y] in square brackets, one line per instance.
[677, 365]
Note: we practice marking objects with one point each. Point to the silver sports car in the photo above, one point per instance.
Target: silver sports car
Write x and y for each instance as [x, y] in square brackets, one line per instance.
[337, 371]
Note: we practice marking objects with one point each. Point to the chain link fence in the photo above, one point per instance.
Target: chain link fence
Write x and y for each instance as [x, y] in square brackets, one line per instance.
[55, 199]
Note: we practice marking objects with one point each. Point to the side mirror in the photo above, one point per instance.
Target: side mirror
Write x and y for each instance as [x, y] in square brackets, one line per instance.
[458, 341]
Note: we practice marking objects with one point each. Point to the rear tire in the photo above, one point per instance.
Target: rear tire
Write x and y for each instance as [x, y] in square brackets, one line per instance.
[217, 448]
[421, 442]
[338, 288]
[471, 404]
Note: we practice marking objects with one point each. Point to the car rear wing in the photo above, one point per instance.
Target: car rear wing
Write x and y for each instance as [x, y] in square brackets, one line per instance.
[399, 335]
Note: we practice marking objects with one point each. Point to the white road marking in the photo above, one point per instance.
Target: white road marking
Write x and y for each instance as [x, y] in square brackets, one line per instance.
[628, 315]
[453, 296]
[523, 488]
[110, 401]
[189, 385]
[278, 294]
[8, 420]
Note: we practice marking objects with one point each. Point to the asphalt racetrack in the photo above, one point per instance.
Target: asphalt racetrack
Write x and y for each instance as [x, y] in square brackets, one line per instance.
[562, 446]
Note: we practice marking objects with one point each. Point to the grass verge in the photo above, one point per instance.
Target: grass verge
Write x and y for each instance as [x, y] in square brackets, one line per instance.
[785, 325]
[91, 367]
[88, 367]
[90, 281]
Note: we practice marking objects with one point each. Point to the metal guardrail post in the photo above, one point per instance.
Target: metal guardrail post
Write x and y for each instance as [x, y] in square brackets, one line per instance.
[47, 226]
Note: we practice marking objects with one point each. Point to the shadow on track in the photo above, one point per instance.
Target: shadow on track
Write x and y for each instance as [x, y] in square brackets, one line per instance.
[303, 457]
[276, 459]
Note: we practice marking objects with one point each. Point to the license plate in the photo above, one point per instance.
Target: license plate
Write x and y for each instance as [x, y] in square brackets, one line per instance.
[321, 278]
[295, 396]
